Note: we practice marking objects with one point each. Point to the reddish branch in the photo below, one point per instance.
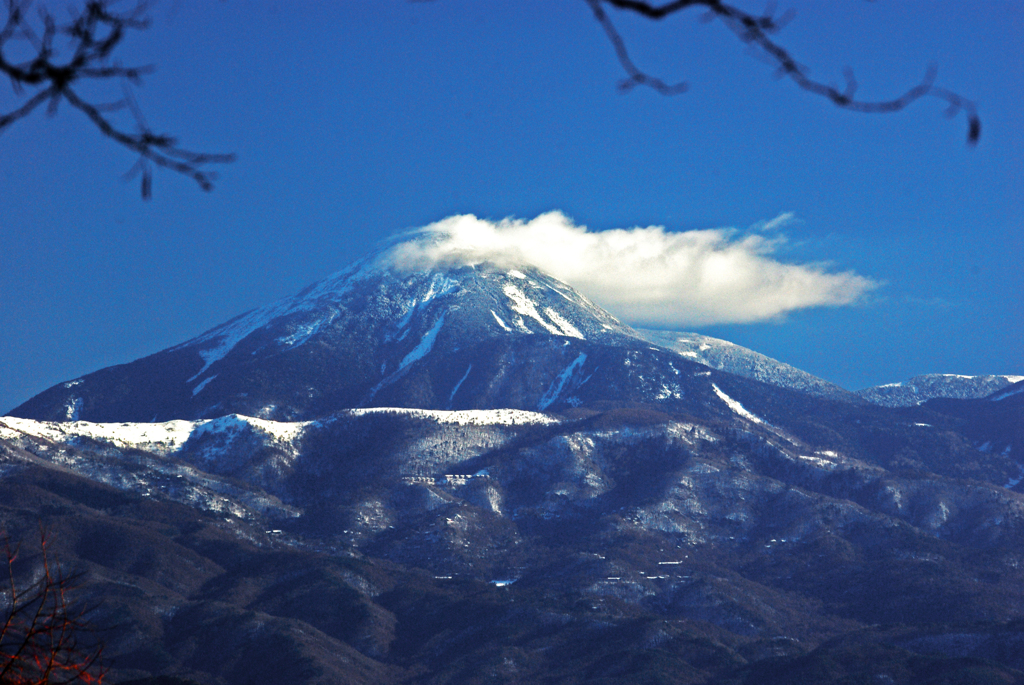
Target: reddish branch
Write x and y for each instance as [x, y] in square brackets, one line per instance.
[41, 631]
[757, 31]
[65, 55]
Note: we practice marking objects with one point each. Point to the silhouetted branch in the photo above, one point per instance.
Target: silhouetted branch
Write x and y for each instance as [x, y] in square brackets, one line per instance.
[757, 30]
[41, 628]
[89, 39]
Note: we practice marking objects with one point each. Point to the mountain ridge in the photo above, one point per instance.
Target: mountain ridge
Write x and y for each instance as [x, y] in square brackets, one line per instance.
[925, 387]
[459, 337]
[452, 475]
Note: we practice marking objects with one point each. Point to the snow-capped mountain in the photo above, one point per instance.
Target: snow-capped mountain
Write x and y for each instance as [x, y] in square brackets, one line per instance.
[426, 470]
[456, 337]
[726, 356]
[936, 385]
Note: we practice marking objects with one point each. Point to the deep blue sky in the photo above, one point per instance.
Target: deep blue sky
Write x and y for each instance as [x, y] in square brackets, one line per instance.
[353, 121]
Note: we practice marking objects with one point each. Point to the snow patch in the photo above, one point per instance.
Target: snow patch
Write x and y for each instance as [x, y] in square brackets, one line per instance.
[818, 461]
[227, 335]
[521, 304]
[1012, 483]
[500, 322]
[305, 331]
[459, 384]
[440, 284]
[74, 409]
[199, 388]
[425, 345]
[666, 392]
[567, 328]
[559, 383]
[404, 321]
[736, 406]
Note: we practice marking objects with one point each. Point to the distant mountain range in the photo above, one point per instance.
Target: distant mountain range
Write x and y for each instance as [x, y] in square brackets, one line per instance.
[936, 385]
[474, 474]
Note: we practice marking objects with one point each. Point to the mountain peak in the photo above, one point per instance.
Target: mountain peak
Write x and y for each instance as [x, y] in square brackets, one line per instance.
[347, 341]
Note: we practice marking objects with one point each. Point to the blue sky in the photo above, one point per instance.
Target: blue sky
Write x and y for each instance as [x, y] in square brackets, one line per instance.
[355, 121]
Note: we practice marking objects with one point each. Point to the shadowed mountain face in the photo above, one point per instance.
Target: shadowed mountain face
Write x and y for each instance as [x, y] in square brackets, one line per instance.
[473, 474]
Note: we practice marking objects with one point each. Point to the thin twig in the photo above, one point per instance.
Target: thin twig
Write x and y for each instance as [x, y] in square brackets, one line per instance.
[93, 35]
[757, 30]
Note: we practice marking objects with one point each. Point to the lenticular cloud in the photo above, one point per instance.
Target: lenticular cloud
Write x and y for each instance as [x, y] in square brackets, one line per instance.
[644, 276]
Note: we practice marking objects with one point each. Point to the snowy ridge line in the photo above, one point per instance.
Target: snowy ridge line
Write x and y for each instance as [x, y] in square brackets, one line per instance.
[163, 438]
[169, 437]
[229, 334]
[463, 417]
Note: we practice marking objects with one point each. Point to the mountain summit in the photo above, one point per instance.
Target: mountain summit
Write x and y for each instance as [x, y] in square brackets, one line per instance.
[378, 333]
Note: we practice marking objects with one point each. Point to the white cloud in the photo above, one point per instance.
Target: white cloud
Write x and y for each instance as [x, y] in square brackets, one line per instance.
[646, 276]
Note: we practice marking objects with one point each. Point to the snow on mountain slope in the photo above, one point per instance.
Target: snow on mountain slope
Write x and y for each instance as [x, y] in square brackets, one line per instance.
[464, 417]
[736, 406]
[726, 356]
[1010, 391]
[929, 386]
[481, 336]
[172, 438]
[162, 460]
[169, 438]
[456, 337]
[159, 438]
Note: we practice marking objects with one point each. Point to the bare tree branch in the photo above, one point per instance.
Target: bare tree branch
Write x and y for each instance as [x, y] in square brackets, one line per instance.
[757, 31]
[42, 629]
[87, 42]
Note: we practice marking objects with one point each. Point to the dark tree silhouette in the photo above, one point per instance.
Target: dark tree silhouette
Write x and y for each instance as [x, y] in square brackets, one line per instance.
[56, 57]
[42, 630]
[758, 31]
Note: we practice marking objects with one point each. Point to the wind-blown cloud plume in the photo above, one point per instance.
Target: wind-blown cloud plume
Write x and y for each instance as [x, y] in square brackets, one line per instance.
[645, 276]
